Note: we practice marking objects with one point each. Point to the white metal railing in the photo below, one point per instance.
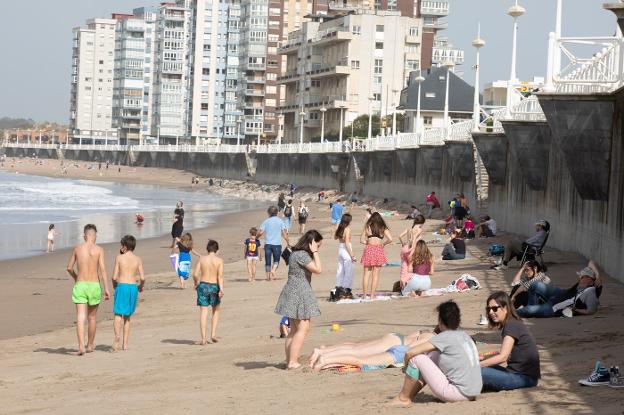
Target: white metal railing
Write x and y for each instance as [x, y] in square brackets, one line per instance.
[599, 70]
[529, 109]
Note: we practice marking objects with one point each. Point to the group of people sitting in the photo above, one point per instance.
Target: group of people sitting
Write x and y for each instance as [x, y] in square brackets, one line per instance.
[447, 359]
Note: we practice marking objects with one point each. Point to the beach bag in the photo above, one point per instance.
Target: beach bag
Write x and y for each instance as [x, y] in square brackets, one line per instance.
[471, 281]
[286, 255]
[497, 249]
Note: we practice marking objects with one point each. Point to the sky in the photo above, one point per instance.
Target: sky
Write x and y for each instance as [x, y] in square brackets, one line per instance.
[36, 43]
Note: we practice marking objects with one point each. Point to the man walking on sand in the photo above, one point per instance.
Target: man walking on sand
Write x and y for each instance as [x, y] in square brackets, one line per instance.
[87, 292]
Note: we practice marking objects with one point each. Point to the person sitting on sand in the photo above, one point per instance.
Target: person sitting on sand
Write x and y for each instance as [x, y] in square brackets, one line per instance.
[388, 350]
[87, 292]
[422, 265]
[456, 248]
[515, 247]
[581, 299]
[208, 278]
[518, 350]
[127, 267]
[530, 273]
[448, 362]
[486, 227]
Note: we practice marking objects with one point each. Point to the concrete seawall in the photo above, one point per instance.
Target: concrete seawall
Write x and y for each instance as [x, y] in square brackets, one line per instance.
[569, 171]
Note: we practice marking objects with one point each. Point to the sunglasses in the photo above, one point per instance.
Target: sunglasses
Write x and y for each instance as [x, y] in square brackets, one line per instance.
[494, 308]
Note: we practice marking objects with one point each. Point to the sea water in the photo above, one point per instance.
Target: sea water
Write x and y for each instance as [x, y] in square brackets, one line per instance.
[29, 204]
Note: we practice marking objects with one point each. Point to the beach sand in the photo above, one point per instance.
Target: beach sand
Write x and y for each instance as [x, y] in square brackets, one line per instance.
[166, 372]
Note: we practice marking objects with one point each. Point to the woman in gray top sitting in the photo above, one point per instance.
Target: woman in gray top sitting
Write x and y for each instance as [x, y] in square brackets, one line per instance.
[448, 363]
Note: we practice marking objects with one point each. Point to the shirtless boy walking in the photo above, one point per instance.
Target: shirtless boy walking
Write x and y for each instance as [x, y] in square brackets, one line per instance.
[127, 267]
[208, 278]
[87, 292]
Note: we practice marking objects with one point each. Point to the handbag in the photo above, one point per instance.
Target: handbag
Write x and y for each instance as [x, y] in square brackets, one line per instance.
[286, 254]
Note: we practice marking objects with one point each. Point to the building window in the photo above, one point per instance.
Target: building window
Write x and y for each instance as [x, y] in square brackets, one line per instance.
[355, 64]
[413, 31]
[427, 120]
[412, 65]
[376, 97]
[378, 45]
[378, 66]
[356, 30]
[379, 28]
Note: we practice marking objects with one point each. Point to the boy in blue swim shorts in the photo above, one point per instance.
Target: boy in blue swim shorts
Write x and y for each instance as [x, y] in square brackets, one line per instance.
[127, 267]
[208, 278]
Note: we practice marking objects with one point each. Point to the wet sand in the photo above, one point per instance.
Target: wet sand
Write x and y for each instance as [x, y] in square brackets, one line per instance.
[165, 371]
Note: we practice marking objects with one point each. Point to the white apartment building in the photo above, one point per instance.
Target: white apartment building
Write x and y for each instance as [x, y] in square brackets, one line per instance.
[208, 31]
[171, 92]
[92, 82]
[344, 67]
[132, 91]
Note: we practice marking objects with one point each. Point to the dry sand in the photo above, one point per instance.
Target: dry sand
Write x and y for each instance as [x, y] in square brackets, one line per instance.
[165, 372]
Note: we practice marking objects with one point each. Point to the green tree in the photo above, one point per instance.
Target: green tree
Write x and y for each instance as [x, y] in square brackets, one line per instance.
[360, 127]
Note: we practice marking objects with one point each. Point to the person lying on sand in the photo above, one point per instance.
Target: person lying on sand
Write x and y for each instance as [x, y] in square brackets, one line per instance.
[385, 351]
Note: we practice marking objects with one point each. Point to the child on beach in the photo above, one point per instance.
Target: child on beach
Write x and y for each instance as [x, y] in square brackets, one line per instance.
[208, 278]
[51, 234]
[127, 267]
[184, 245]
[252, 253]
[284, 327]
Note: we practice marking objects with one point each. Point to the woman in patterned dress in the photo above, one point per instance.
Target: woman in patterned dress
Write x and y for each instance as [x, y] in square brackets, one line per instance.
[375, 236]
[297, 300]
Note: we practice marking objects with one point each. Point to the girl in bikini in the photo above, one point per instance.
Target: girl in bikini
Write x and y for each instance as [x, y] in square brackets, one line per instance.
[375, 236]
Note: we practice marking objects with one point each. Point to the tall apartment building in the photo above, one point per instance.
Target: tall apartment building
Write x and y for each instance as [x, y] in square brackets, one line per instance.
[347, 65]
[132, 87]
[171, 92]
[92, 82]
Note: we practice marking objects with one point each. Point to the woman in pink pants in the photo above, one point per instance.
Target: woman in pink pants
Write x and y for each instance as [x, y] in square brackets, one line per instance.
[448, 363]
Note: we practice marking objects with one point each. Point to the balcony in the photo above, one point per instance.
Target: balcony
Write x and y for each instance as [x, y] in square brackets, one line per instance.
[435, 24]
[311, 123]
[290, 46]
[412, 39]
[256, 66]
[261, 80]
[331, 36]
[434, 8]
[340, 68]
[315, 102]
[288, 77]
[441, 55]
[254, 92]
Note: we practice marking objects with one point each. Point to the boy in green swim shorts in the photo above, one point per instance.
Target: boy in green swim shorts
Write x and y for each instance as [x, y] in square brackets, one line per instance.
[87, 292]
[127, 267]
[208, 278]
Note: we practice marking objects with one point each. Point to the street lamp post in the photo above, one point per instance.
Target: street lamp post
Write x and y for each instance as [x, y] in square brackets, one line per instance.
[323, 109]
[370, 117]
[448, 65]
[301, 115]
[478, 43]
[419, 123]
[39, 137]
[514, 11]
[342, 107]
[394, 106]
[238, 123]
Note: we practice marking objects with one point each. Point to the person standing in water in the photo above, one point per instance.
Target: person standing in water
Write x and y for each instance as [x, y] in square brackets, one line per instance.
[87, 292]
[178, 223]
[51, 234]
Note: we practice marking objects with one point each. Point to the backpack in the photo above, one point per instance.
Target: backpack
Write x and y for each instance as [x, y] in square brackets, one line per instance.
[288, 211]
[497, 249]
[303, 214]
